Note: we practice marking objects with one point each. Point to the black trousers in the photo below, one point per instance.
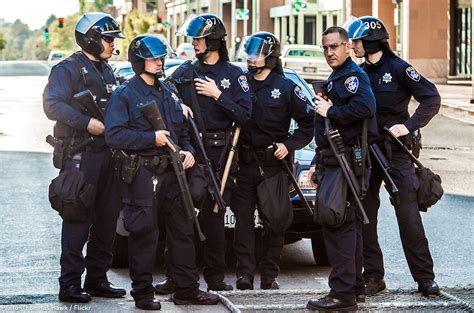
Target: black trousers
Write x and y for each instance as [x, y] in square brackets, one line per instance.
[99, 232]
[214, 265]
[412, 234]
[141, 205]
[243, 205]
[344, 250]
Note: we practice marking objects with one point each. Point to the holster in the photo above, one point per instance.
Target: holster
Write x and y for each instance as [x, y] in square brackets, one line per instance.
[129, 165]
[249, 155]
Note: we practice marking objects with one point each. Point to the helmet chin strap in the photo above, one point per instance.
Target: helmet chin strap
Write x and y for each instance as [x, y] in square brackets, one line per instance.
[156, 75]
[256, 69]
[201, 56]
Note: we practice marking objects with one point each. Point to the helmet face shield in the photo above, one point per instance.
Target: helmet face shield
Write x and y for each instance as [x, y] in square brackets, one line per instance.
[368, 28]
[151, 47]
[355, 28]
[254, 49]
[195, 27]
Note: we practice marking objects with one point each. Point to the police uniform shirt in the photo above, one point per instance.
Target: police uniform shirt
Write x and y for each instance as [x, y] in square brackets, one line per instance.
[348, 87]
[70, 76]
[393, 82]
[278, 99]
[127, 128]
[233, 105]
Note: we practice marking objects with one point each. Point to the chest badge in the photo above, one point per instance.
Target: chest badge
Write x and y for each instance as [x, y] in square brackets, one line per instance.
[276, 93]
[329, 87]
[413, 74]
[387, 78]
[352, 83]
[225, 83]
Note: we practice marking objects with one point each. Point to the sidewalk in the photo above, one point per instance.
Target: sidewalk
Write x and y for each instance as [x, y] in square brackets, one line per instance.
[456, 102]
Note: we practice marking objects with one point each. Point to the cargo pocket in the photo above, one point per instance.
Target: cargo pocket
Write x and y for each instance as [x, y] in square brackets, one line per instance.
[139, 219]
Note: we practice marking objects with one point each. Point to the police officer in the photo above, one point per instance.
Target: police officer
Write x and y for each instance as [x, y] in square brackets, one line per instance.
[218, 94]
[87, 69]
[350, 102]
[394, 82]
[151, 185]
[277, 101]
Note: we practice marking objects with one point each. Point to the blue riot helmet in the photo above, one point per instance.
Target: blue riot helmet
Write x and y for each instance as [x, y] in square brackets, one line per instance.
[371, 31]
[210, 27]
[92, 27]
[148, 47]
[262, 45]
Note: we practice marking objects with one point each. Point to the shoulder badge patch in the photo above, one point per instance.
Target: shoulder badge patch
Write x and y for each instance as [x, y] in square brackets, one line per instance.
[412, 73]
[352, 83]
[244, 83]
[299, 93]
[329, 86]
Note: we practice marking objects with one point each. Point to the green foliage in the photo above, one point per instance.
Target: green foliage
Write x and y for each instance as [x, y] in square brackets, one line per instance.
[96, 6]
[134, 24]
[2, 41]
[63, 38]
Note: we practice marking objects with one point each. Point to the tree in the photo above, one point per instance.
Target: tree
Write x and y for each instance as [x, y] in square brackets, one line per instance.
[95, 6]
[2, 41]
[134, 24]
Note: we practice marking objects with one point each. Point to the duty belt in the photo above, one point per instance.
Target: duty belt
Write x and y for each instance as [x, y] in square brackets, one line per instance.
[248, 154]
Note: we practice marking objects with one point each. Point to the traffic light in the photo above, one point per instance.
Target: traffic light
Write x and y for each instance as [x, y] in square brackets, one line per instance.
[61, 22]
[37, 44]
[159, 18]
[46, 35]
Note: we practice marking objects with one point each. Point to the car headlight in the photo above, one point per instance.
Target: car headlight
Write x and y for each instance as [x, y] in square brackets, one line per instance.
[303, 180]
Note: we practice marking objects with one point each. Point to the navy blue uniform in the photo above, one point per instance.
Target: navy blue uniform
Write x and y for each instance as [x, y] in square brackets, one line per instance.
[75, 74]
[128, 129]
[278, 100]
[233, 106]
[348, 88]
[394, 82]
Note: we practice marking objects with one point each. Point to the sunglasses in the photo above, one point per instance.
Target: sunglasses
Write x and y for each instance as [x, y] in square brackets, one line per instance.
[333, 46]
[108, 39]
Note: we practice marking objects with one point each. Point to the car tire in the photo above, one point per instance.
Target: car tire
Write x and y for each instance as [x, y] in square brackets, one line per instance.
[319, 251]
[120, 251]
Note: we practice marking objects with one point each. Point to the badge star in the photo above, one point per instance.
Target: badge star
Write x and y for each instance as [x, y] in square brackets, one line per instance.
[387, 78]
[276, 93]
[225, 83]
[352, 85]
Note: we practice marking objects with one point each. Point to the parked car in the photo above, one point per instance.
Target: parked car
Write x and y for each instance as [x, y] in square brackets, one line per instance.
[185, 51]
[56, 55]
[302, 226]
[307, 60]
[123, 70]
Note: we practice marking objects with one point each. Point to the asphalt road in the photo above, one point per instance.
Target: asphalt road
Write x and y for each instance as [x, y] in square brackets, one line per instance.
[30, 229]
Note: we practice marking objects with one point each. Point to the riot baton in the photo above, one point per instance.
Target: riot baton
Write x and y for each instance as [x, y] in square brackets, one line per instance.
[233, 148]
[287, 169]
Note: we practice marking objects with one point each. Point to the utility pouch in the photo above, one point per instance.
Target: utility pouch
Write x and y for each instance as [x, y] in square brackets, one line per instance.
[216, 139]
[129, 167]
[157, 164]
[416, 145]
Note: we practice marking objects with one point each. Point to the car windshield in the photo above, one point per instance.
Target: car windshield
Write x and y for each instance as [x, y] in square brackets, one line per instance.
[305, 53]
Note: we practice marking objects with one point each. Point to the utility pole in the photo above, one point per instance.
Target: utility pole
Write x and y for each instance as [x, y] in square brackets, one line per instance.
[246, 22]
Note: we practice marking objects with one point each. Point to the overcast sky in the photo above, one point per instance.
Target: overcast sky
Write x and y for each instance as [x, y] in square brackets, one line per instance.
[35, 12]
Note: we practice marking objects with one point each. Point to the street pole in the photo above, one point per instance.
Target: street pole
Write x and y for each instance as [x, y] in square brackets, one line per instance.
[246, 22]
[233, 28]
[472, 54]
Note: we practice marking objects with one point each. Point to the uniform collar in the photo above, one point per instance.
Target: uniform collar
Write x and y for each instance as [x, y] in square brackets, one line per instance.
[213, 68]
[379, 63]
[268, 81]
[142, 87]
[342, 70]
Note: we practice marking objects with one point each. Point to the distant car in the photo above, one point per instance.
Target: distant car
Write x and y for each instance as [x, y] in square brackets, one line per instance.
[185, 51]
[56, 55]
[302, 226]
[307, 60]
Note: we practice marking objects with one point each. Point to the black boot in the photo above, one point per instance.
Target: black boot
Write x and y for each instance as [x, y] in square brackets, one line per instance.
[219, 286]
[428, 288]
[201, 298]
[74, 294]
[331, 304]
[374, 286]
[269, 283]
[244, 282]
[103, 289]
[148, 303]
[165, 287]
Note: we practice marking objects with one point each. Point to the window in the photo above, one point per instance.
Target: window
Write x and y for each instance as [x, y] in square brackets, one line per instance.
[305, 53]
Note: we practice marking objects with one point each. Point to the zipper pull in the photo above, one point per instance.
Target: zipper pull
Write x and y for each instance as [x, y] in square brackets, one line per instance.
[261, 171]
